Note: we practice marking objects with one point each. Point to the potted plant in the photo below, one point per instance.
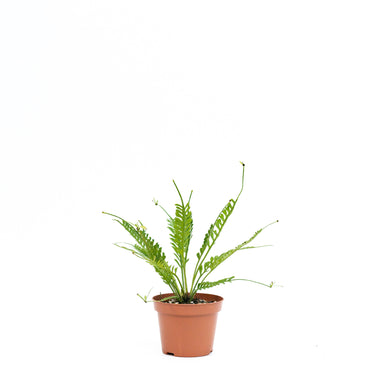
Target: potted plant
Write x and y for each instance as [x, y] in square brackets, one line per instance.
[187, 317]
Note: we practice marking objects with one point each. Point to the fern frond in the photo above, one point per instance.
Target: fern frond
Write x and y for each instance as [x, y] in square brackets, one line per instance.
[204, 285]
[181, 232]
[150, 251]
[215, 261]
[216, 228]
[212, 235]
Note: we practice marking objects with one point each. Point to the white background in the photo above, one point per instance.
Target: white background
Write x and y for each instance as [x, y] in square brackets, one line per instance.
[103, 103]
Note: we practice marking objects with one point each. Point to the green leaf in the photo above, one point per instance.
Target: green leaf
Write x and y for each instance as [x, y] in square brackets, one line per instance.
[181, 232]
[216, 228]
[215, 261]
[205, 285]
[146, 249]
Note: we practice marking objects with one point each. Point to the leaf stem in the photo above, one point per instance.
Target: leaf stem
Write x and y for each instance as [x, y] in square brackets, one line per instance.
[254, 281]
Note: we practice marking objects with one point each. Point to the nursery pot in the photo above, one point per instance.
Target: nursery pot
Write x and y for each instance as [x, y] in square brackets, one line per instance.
[188, 329]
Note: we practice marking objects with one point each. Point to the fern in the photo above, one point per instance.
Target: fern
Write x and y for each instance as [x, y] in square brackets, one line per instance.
[181, 227]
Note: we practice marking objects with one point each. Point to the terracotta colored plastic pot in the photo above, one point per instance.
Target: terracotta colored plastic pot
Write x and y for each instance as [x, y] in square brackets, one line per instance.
[188, 329]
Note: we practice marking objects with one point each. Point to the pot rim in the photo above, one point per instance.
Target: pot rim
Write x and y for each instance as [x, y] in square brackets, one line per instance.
[216, 298]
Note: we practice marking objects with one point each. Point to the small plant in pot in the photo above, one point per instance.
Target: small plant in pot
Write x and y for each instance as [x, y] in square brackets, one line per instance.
[187, 316]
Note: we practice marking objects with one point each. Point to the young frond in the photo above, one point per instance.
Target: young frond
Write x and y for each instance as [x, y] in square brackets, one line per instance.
[181, 232]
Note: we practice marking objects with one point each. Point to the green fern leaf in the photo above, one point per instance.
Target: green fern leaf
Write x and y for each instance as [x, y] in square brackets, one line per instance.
[205, 285]
[216, 228]
[215, 261]
[146, 249]
[181, 230]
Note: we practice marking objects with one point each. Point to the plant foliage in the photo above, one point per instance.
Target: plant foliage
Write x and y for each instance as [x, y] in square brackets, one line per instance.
[180, 227]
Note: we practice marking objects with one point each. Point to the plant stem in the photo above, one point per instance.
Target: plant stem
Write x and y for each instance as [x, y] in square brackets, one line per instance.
[254, 281]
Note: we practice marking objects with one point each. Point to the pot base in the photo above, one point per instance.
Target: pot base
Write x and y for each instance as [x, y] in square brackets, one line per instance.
[172, 354]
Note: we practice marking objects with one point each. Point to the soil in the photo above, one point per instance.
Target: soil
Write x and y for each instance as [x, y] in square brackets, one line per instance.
[194, 301]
